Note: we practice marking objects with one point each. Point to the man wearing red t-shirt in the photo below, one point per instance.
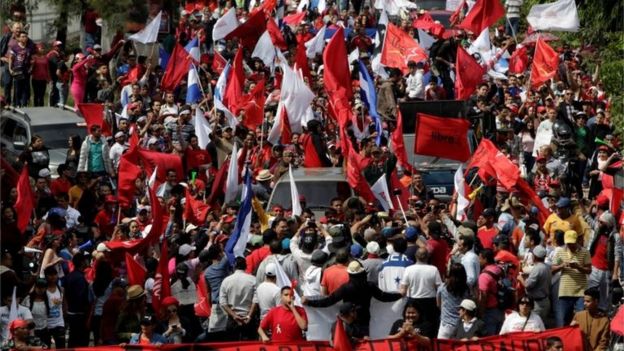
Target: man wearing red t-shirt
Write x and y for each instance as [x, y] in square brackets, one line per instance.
[487, 232]
[336, 276]
[62, 184]
[106, 219]
[286, 321]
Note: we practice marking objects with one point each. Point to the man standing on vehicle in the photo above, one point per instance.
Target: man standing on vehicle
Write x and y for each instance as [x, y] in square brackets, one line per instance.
[94, 154]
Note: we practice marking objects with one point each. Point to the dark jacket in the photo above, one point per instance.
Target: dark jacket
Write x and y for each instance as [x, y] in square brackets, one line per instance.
[477, 329]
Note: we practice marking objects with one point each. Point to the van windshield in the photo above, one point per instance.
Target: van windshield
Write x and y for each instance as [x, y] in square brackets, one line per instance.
[317, 194]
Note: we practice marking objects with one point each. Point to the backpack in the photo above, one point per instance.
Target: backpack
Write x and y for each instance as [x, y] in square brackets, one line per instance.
[505, 292]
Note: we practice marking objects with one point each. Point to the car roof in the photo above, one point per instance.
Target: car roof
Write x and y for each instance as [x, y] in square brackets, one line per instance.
[303, 174]
[43, 116]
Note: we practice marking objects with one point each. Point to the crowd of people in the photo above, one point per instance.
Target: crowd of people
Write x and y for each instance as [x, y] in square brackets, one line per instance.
[499, 270]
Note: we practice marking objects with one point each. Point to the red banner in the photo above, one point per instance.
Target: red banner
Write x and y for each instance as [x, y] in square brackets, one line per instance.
[442, 137]
[570, 337]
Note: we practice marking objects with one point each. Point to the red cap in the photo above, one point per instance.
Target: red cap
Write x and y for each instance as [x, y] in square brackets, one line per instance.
[602, 200]
[199, 184]
[229, 219]
[541, 109]
[221, 238]
[169, 301]
[540, 159]
[603, 148]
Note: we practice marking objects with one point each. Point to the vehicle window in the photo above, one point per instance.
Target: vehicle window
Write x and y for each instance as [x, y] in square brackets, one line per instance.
[15, 133]
[317, 194]
[20, 136]
[56, 137]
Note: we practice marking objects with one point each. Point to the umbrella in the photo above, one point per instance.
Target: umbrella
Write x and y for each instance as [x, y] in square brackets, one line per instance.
[532, 38]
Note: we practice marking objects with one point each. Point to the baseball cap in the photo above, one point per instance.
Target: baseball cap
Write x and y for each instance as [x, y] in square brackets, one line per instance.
[356, 250]
[468, 305]
[563, 202]
[489, 212]
[539, 251]
[270, 270]
[411, 233]
[355, 267]
[97, 47]
[119, 135]
[372, 247]
[186, 249]
[44, 173]
[346, 307]
[190, 227]
[570, 237]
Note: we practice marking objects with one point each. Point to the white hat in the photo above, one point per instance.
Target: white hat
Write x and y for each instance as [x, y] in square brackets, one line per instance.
[190, 227]
[44, 173]
[185, 249]
[539, 251]
[119, 135]
[152, 141]
[102, 248]
[97, 47]
[372, 247]
[355, 267]
[270, 270]
[468, 305]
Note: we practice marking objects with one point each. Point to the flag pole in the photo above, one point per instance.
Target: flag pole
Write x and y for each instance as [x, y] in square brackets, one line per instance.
[513, 32]
[401, 207]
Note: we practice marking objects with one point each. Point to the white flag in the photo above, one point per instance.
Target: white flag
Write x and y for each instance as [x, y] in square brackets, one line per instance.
[265, 50]
[382, 194]
[202, 128]
[315, 45]
[462, 201]
[353, 56]
[296, 96]
[152, 179]
[231, 183]
[225, 25]
[393, 7]
[482, 46]
[557, 16]
[425, 40]
[294, 194]
[149, 34]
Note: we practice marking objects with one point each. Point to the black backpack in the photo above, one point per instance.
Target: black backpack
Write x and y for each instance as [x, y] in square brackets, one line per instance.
[505, 292]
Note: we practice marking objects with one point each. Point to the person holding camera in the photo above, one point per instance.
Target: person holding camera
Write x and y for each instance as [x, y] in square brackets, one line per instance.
[286, 322]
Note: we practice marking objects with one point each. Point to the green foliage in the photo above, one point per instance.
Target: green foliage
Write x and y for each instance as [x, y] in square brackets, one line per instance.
[116, 14]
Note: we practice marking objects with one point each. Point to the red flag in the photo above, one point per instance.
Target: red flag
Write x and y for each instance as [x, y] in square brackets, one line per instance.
[203, 307]
[162, 288]
[253, 104]
[398, 145]
[196, 158]
[495, 164]
[234, 88]
[311, 157]
[156, 230]
[218, 185]
[267, 7]
[250, 31]
[25, 202]
[164, 161]
[337, 76]
[195, 211]
[301, 62]
[342, 342]
[177, 68]
[218, 63]
[353, 166]
[468, 74]
[399, 48]
[519, 60]
[129, 172]
[455, 16]
[276, 35]
[424, 22]
[529, 193]
[136, 272]
[94, 115]
[294, 19]
[286, 135]
[482, 15]
[545, 63]
[442, 137]
[403, 197]
[480, 160]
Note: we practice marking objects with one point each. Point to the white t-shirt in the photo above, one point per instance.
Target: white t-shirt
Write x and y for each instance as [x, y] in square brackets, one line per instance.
[514, 322]
[312, 281]
[55, 315]
[421, 280]
[267, 296]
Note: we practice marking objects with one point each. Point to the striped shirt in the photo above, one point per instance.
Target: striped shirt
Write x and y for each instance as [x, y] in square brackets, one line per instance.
[573, 283]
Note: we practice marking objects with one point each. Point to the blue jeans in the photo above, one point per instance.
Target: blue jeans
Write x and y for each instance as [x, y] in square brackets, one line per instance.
[567, 306]
[493, 319]
[601, 280]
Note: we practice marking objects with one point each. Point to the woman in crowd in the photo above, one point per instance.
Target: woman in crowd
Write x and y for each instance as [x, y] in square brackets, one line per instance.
[411, 326]
[524, 319]
[449, 297]
[36, 155]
